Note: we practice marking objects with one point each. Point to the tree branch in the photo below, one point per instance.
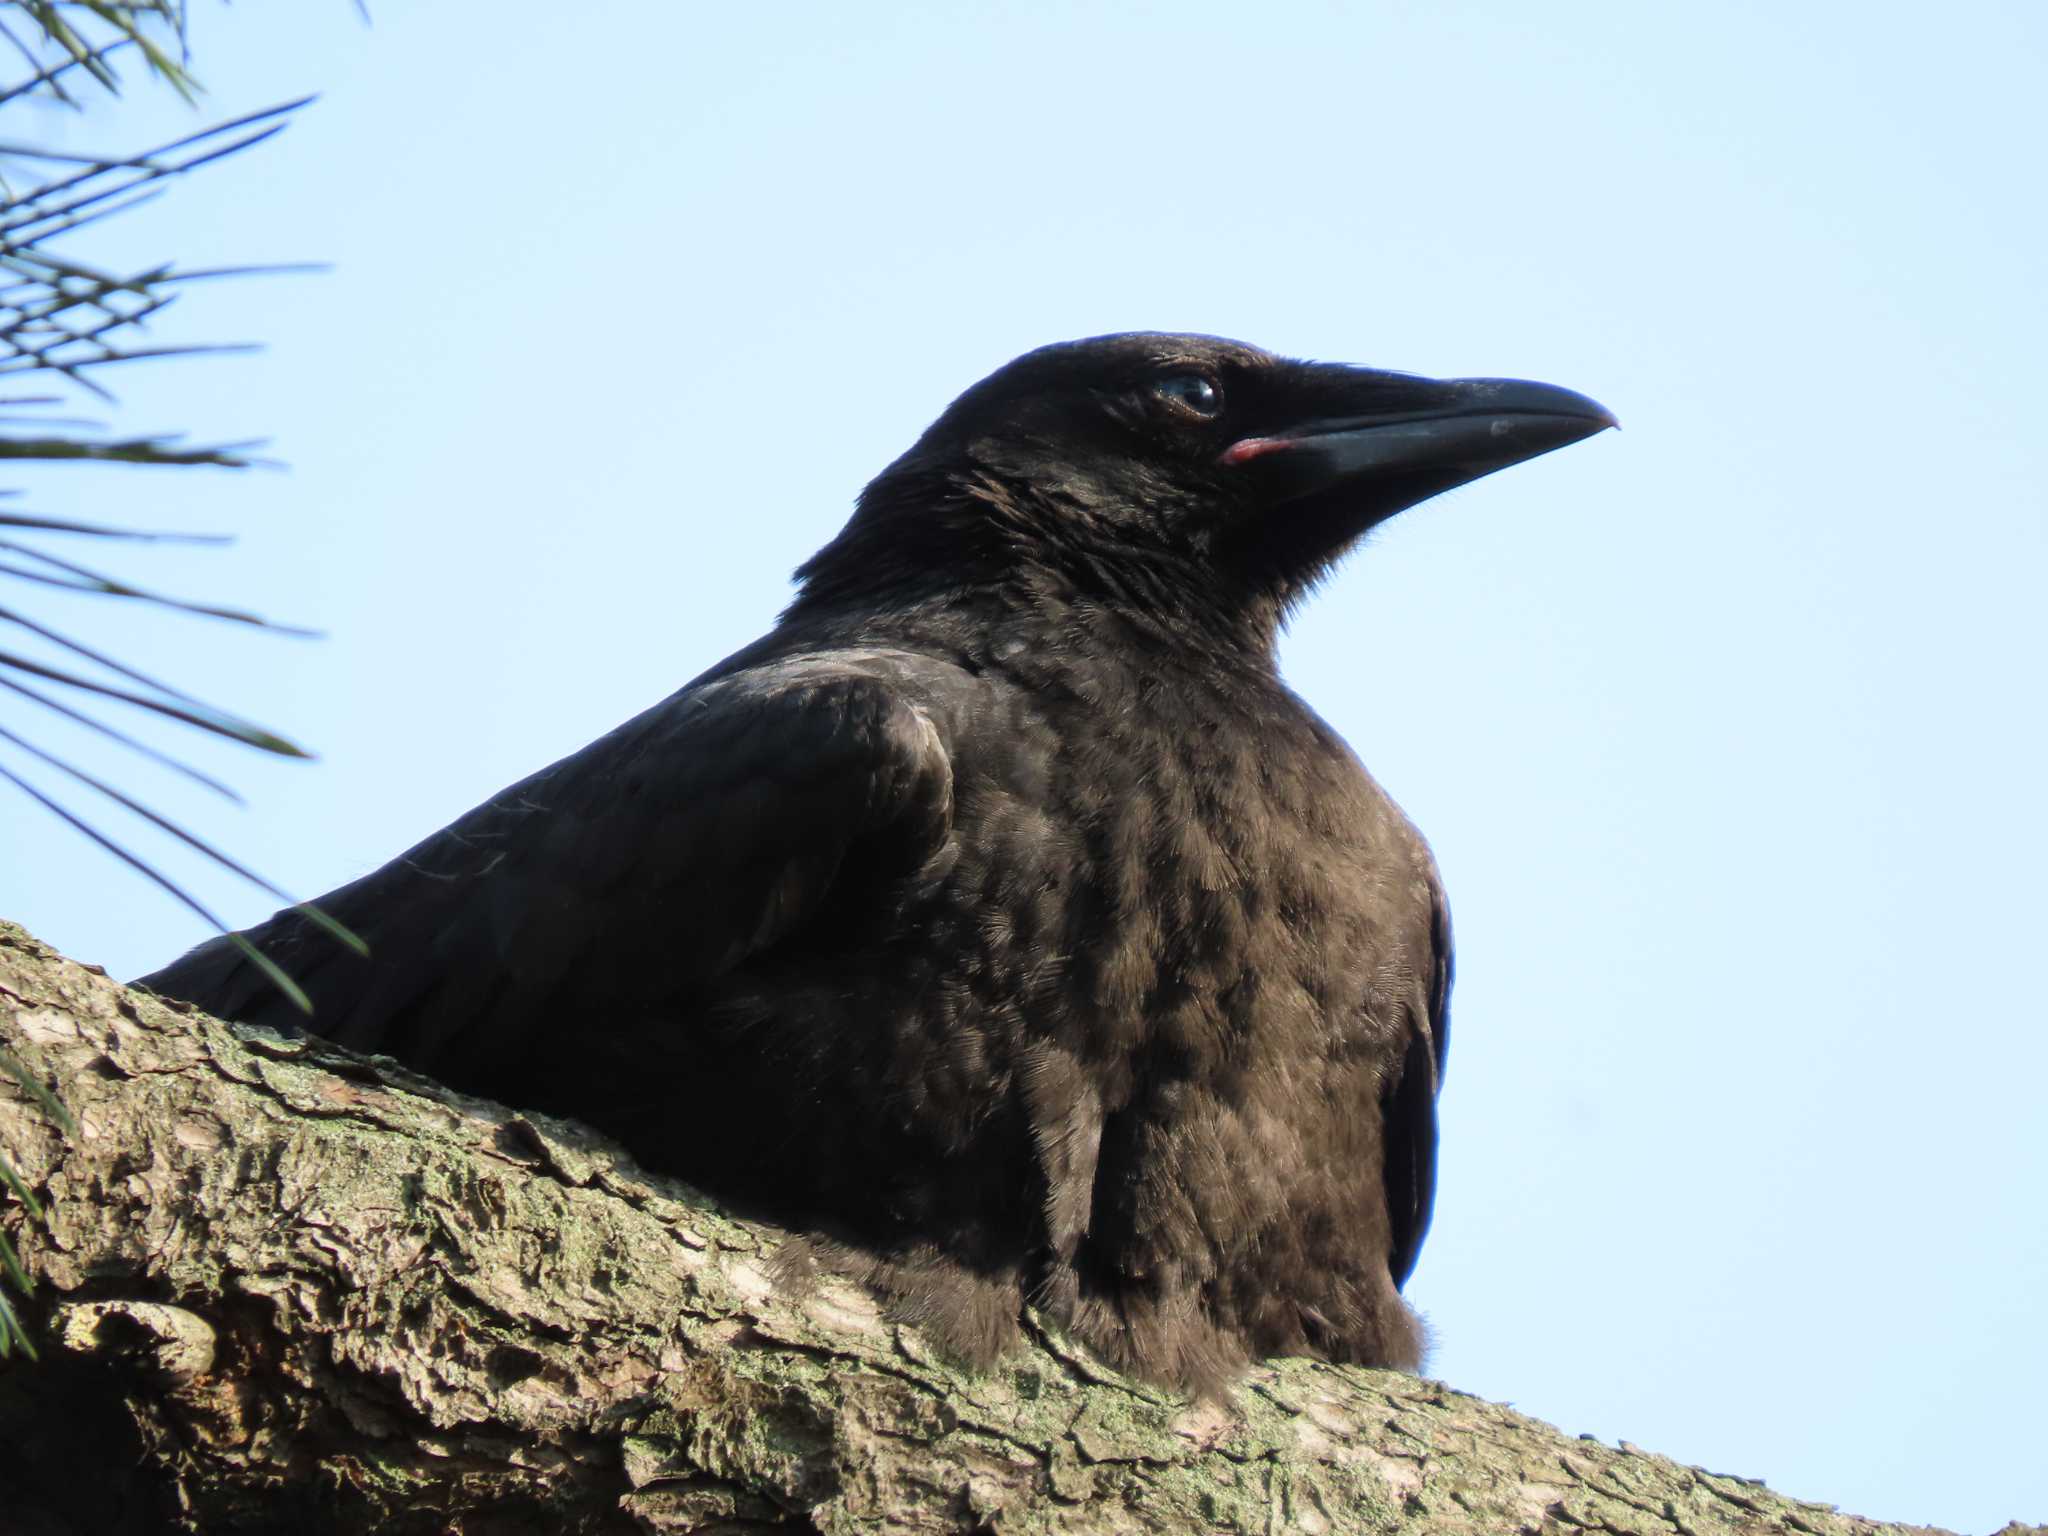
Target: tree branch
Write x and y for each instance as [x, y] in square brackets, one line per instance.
[331, 1296]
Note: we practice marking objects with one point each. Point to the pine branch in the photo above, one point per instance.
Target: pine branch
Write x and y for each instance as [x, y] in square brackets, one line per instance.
[347, 1300]
[136, 24]
[65, 319]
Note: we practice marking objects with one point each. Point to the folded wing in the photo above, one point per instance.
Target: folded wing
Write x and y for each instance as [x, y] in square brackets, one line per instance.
[708, 829]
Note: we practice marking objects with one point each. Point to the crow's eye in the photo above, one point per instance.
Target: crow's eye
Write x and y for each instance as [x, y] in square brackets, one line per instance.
[1195, 392]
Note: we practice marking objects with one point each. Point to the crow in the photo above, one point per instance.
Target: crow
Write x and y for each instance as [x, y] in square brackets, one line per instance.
[1000, 919]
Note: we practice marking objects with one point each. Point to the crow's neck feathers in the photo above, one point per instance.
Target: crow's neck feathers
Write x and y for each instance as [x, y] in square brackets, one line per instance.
[926, 534]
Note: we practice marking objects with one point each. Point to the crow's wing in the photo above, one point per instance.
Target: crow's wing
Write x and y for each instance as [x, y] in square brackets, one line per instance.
[1409, 1109]
[705, 830]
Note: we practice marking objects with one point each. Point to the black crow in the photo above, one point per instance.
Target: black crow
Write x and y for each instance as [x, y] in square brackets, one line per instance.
[1000, 917]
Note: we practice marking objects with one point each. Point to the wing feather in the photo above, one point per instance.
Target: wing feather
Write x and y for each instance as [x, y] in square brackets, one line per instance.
[709, 828]
[1409, 1109]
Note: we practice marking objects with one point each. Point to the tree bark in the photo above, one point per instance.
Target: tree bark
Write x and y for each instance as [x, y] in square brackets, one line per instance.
[283, 1287]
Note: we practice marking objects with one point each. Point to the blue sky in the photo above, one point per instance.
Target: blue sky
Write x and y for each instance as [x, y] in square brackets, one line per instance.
[1727, 729]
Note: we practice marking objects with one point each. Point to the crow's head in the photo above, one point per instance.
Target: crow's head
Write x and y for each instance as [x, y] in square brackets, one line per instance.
[1178, 473]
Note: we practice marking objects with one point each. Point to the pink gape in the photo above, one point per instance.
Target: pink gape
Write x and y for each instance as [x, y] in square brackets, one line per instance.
[1246, 449]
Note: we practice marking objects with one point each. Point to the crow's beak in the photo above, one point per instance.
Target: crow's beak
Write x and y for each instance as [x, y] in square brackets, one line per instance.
[1444, 433]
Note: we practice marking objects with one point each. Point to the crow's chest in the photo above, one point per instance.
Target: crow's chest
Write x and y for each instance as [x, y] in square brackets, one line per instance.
[1197, 878]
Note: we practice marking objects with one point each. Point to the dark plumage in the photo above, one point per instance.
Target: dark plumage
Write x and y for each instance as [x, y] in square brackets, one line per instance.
[1000, 916]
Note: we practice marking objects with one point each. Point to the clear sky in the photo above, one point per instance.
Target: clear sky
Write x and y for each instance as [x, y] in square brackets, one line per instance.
[1727, 729]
